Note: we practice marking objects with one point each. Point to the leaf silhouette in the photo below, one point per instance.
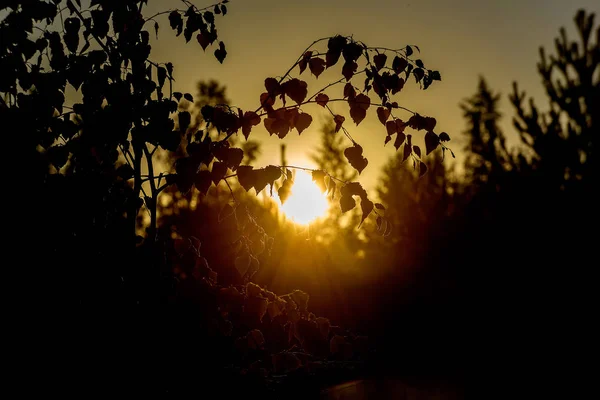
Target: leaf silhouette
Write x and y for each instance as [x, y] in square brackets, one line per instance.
[304, 61]
[322, 99]
[219, 169]
[409, 51]
[366, 206]
[156, 29]
[399, 64]
[202, 181]
[435, 75]
[176, 22]
[352, 51]
[347, 203]
[303, 121]
[334, 50]
[417, 151]
[184, 121]
[204, 40]
[390, 126]
[249, 120]
[349, 91]
[221, 53]
[285, 190]
[317, 66]
[444, 137]
[399, 140]
[246, 177]
[379, 206]
[355, 157]
[349, 69]
[383, 114]
[339, 120]
[431, 142]
[379, 61]
[295, 89]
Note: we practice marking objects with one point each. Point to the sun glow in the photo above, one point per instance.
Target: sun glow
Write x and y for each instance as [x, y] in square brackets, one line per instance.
[306, 202]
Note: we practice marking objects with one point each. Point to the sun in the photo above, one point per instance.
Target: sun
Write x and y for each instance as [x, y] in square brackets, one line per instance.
[306, 202]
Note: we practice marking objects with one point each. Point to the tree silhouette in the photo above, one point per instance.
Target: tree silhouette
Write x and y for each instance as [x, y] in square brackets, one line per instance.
[562, 138]
[487, 157]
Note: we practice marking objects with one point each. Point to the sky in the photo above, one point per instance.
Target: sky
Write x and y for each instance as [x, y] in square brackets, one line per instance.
[463, 39]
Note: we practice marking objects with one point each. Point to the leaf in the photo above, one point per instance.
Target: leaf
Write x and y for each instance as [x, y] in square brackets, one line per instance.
[399, 140]
[125, 172]
[357, 114]
[379, 60]
[334, 50]
[71, 36]
[219, 169]
[221, 53]
[223, 9]
[245, 176]
[435, 75]
[304, 61]
[431, 142]
[339, 120]
[273, 87]
[188, 97]
[444, 137]
[296, 90]
[352, 51]
[176, 22]
[202, 181]
[242, 263]
[363, 101]
[399, 64]
[349, 69]
[156, 29]
[409, 51]
[266, 101]
[355, 157]
[319, 178]
[347, 203]
[204, 40]
[418, 74]
[349, 91]
[419, 63]
[316, 66]
[303, 121]
[366, 206]
[379, 206]
[417, 151]
[249, 120]
[177, 95]
[383, 114]
[322, 99]
[390, 126]
[422, 168]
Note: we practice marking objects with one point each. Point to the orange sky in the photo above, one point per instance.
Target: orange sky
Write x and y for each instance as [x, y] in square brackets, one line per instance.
[460, 38]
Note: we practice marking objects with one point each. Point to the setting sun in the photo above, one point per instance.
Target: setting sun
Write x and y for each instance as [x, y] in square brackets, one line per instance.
[306, 202]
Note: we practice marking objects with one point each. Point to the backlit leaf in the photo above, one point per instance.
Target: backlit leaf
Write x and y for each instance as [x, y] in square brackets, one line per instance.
[444, 137]
[349, 69]
[339, 120]
[383, 114]
[366, 206]
[202, 181]
[431, 142]
[379, 61]
[316, 66]
[221, 53]
[347, 203]
[355, 157]
[322, 99]
[303, 121]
